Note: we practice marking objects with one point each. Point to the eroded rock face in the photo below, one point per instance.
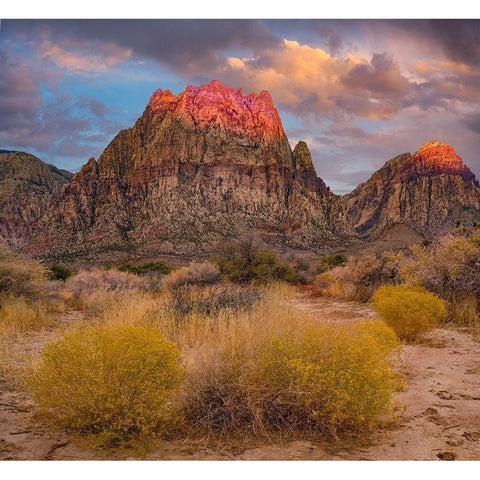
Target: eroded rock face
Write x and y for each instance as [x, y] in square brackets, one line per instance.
[197, 169]
[430, 191]
[28, 188]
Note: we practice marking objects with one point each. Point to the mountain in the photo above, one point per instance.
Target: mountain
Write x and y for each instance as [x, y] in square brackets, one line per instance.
[197, 169]
[431, 191]
[28, 187]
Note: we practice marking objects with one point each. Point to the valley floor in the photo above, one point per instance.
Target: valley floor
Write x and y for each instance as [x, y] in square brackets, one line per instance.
[441, 420]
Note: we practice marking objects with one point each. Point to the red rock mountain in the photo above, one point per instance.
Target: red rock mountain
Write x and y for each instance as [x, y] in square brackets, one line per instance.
[28, 188]
[196, 169]
[430, 191]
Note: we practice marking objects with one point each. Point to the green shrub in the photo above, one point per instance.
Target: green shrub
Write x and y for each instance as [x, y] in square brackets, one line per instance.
[409, 311]
[59, 272]
[112, 383]
[331, 261]
[145, 268]
[244, 263]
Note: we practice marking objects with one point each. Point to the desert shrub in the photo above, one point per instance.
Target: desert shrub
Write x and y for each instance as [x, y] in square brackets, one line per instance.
[21, 277]
[449, 267]
[158, 267]
[88, 282]
[199, 274]
[244, 263]
[409, 311]
[302, 264]
[114, 384]
[331, 261]
[333, 382]
[19, 315]
[58, 272]
[360, 276]
[211, 300]
[275, 371]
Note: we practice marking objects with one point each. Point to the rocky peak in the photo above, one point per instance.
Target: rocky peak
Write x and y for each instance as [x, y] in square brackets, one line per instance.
[429, 191]
[436, 158]
[302, 156]
[217, 105]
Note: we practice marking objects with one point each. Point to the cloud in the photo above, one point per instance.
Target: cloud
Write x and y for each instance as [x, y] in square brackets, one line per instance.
[60, 125]
[83, 57]
[21, 93]
[188, 46]
[472, 122]
[309, 81]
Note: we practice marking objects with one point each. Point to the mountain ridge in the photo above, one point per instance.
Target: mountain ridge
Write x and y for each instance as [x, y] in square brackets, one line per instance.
[211, 165]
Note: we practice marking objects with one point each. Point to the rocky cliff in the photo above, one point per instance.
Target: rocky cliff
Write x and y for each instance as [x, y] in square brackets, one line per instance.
[431, 191]
[196, 169]
[28, 187]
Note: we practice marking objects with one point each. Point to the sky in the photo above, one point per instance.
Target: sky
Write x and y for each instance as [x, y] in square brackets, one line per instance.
[359, 92]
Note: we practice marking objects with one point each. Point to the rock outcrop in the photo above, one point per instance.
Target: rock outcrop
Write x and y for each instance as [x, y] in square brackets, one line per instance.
[28, 187]
[431, 191]
[197, 169]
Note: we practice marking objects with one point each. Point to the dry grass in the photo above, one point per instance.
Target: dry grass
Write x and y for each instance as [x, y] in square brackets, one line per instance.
[273, 371]
[198, 274]
[18, 315]
[83, 289]
[21, 277]
[259, 368]
[449, 267]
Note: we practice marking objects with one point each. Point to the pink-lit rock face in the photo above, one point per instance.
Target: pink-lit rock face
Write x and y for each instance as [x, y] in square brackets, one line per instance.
[215, 105]
[430, 191]
[436, 158]
[196, 170]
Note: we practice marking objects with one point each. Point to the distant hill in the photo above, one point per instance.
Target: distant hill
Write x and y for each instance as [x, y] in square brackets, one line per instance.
[28, 187]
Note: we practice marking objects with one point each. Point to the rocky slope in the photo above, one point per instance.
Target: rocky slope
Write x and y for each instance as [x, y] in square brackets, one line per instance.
[28, 187]
[208, 165]
[429, 191]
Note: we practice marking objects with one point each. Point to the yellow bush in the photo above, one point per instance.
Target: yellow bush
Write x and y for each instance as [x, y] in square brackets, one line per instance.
[293, 376]
[331, 381]
[115, 384]
[409, 311]
[18, 315]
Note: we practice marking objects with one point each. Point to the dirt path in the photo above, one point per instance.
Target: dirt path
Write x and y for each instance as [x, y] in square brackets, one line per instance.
[441, 420]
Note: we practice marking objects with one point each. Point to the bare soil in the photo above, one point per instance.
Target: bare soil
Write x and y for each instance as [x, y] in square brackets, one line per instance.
[441, 420]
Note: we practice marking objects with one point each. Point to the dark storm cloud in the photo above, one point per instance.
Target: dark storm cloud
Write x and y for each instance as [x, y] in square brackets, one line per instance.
[190, 46]
[459, 40]
[472, 122]
[380, 76]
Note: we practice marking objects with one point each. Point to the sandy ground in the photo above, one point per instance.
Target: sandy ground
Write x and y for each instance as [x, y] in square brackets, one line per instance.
[441, 420]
